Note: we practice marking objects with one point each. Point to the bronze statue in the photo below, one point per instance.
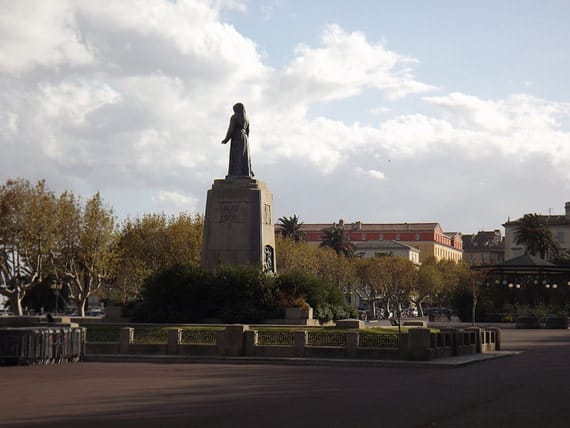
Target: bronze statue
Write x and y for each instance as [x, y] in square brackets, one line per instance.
[238, 133]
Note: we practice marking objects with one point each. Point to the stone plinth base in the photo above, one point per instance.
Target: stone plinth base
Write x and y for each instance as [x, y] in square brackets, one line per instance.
[238, 225]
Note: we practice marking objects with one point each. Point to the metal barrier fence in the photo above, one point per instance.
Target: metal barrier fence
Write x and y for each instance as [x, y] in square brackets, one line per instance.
[40, 345]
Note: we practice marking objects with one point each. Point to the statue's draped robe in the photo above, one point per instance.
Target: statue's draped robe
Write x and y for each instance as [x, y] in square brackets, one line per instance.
[240, 162]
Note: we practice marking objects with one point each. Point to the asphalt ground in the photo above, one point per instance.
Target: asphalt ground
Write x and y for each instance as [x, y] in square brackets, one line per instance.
[530, 389]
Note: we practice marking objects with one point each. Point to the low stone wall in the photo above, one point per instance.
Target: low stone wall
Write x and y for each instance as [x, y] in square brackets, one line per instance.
[419, 344]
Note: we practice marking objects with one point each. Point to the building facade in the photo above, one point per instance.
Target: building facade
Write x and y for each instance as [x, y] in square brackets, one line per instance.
[484, 248]
[387, 248]
[428, 238]
[559, 226]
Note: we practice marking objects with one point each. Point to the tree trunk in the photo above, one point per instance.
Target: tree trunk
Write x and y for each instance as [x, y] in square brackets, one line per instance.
[16, 303]
[80, 303]
[387, 308]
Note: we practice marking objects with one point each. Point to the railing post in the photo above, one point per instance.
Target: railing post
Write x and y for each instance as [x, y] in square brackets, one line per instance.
[174, 339]
[419, 344]
[126, 338]
[300, 341]
[351, 343]
[251, 340]
[231, 341]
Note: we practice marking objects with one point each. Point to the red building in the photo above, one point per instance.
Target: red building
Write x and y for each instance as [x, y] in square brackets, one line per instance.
[429, 238]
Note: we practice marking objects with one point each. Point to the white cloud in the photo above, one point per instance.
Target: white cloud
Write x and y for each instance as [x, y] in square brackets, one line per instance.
[38, 33]
[371, 173]
[518, 126]
[128, 96]
[72, 102]
[347, 63]
[174, 202]
[474, 112]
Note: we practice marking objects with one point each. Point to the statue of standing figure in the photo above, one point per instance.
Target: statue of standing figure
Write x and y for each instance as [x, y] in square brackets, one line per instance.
[238, 133]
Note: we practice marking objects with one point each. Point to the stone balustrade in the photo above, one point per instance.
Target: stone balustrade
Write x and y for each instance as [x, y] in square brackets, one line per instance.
[419, 344]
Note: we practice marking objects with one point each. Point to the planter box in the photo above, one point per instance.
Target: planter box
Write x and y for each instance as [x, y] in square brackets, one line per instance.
[299, 313]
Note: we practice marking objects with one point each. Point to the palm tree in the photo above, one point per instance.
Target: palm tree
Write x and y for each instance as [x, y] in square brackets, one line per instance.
[339, 240]
[291, 228]
[535, 236]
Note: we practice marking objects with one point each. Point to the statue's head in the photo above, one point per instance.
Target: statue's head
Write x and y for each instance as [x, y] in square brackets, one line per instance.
[239, 108]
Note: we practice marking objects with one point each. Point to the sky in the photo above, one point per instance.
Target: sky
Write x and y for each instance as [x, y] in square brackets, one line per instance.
[446, 111]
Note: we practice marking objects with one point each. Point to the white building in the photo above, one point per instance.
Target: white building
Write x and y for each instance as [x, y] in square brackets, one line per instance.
[559, 225]
[387, 248]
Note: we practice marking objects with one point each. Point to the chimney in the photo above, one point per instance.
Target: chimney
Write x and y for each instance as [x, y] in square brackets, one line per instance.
[341, 223]
[567, 208]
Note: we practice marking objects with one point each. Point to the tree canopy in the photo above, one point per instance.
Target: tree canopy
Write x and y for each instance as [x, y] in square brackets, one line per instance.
[28, 237]
[290, 227]
[338, 239]
[534, 235]
[147, 244]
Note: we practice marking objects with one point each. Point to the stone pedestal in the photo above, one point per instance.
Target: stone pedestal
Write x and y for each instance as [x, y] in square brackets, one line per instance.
[238, 225]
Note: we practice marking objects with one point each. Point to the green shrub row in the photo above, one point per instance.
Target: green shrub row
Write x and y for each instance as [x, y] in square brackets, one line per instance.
[189, 294]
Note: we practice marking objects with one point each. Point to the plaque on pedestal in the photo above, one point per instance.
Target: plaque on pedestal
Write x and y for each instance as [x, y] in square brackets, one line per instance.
[238, 225]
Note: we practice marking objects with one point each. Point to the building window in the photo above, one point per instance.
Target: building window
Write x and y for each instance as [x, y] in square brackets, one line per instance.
[397, 236]
[363, 237]
[381, 237]
[417, 236]
[383, 254]
[560, 236]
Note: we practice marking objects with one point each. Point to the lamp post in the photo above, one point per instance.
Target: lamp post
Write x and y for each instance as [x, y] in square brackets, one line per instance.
[57, 285]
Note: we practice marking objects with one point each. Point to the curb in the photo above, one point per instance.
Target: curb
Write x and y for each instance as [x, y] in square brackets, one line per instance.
[442, 363]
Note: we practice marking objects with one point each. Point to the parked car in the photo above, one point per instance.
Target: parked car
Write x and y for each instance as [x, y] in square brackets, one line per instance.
[95, 312]
[441, 312]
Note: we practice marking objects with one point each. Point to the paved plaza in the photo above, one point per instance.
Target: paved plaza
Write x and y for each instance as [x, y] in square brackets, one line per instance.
[530, 389]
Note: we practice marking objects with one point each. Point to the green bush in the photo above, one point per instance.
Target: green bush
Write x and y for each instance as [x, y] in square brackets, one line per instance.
[326, 299]
[180, 293]
[243, 294]
[187, 294]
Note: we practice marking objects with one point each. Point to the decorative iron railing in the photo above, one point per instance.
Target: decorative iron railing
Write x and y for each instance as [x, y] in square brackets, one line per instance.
[326, 339]
[150, 335]
[198, 336]
[103, 334]
[379, 340]
[276, 338]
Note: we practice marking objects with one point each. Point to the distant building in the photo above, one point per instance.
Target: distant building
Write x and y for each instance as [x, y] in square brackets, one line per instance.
[372, 238]
[559, 225]
[484, 248]
[387, 248]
